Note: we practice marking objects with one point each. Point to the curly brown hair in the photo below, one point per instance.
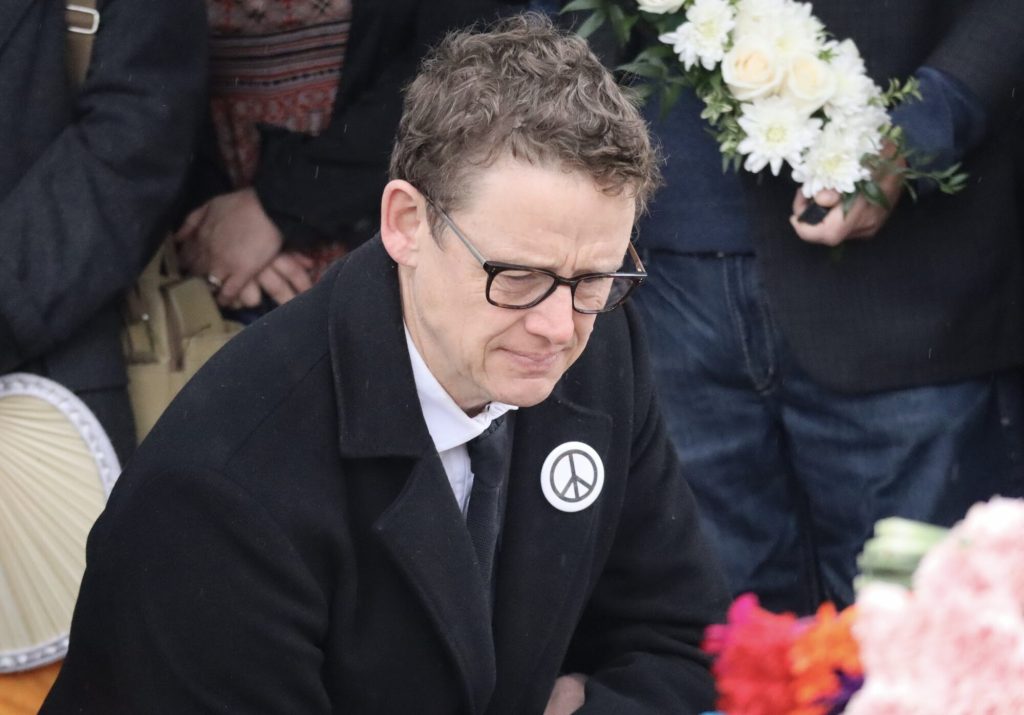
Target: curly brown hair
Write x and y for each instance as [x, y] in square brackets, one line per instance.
[522, 89]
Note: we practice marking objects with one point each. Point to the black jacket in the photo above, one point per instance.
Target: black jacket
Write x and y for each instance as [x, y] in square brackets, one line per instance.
[937, 295]
[286, 540]
[86, 180]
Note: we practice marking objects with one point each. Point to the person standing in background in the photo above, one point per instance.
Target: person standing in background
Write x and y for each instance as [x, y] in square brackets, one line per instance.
[305, 99]
[89, 175]
[812, 390]
[88, 179]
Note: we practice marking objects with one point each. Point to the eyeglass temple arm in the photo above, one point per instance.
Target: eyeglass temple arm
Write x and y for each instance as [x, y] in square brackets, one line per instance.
[636, 258]
[451, 224]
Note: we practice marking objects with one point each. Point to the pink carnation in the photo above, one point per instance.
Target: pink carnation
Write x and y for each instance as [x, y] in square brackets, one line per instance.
[956, 645]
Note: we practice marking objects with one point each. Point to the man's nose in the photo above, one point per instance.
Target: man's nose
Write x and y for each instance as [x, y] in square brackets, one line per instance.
[553, 318]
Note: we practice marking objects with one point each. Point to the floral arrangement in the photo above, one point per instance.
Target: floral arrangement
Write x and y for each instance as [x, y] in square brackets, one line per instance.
[953, 644]
[777, 89]
[770, 664]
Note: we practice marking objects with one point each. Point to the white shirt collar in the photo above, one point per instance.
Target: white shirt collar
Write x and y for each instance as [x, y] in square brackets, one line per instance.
[448, 424]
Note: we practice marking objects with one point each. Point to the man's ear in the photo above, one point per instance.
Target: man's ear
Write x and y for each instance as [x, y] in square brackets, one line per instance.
[402, 221]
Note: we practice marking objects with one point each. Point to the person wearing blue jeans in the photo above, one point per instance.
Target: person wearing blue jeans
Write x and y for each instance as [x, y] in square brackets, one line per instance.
[811, 391]
[790, 474]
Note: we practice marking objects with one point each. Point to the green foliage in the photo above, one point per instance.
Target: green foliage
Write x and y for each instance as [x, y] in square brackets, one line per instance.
[873, 193]
[581, 5]
[898, 92]
[592, 23]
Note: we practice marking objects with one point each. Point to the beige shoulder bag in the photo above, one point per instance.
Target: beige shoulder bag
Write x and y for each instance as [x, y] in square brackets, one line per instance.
[172, 322]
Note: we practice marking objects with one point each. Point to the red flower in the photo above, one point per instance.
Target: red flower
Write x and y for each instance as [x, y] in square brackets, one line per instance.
[752, 664]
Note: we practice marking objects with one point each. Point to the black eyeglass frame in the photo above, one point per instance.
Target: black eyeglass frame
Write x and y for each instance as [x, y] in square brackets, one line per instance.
[495, 268]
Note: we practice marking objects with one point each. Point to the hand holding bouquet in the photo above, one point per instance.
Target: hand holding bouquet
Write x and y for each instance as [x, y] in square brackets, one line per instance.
[777, 90]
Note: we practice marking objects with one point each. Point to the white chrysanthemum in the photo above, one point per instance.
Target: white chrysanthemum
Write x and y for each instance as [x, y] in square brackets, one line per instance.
[868, 123]
[660, 7]
[854, 90]
[753, 14]
[776, 132]
[788, 26]
[702, 38]
[832, 162]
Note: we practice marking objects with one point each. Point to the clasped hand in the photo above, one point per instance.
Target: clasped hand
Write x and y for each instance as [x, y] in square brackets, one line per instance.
[232, 242]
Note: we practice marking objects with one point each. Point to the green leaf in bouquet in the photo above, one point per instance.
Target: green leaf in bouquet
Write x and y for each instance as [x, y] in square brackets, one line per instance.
[651, 69]
[665, 23]
[622, 23]
[581, 5]
[908, 186]
[873, 193]
[951, 180]
[592, 23]
[659, 52]
[848, 200]
[731, 162]
[640, 92]
[898, 92]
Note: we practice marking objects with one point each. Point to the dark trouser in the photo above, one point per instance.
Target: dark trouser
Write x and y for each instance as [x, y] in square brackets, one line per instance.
[790, 475]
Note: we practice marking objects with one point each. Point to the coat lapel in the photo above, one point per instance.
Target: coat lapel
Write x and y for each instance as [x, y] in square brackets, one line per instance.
[379, 416]
[546, 559]
[424, 532]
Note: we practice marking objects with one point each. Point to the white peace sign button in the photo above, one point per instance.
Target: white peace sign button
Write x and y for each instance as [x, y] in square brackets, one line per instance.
[572, 476]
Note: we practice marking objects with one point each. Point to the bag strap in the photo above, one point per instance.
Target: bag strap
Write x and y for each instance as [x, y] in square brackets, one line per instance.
[83, 21]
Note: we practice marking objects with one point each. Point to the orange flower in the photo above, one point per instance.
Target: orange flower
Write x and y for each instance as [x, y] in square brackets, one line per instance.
[819, 653]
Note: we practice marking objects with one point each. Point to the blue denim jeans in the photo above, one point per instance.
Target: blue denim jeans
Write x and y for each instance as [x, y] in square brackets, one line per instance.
[790, 475]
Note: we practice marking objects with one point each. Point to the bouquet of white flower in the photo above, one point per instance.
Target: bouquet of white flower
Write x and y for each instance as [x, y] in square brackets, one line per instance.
[777, 89]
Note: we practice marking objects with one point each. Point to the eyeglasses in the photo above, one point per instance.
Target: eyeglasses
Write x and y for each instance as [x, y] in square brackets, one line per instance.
[518, 287]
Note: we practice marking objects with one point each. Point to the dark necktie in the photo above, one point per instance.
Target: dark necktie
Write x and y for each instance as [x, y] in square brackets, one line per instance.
[489, 456]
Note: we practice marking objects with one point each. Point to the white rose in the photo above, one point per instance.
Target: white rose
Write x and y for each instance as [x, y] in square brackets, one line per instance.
[751, 69]
[810, 82]
[660, 7]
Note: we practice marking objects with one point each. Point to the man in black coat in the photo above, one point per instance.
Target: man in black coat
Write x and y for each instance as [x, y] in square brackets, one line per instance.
[86, 180]
[812, 390]
[321, 523]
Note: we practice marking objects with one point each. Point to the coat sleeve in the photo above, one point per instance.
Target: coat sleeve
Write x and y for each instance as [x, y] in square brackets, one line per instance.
[82, 220]
[983, 49]
[194, 600]
[639, 639]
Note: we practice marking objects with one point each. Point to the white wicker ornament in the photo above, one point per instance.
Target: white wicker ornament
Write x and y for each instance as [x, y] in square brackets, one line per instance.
[57, 467]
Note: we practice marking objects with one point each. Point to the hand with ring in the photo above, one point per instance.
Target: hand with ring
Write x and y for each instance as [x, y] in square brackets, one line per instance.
[232, 239]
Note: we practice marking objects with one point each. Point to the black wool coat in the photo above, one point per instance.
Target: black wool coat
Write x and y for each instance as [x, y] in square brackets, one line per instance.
[86, 180]
[286, 540]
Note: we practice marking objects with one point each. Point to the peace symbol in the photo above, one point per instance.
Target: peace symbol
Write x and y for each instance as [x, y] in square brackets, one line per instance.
[573, 475]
